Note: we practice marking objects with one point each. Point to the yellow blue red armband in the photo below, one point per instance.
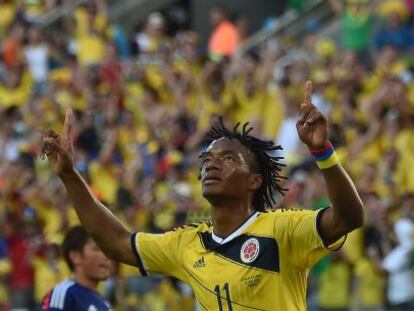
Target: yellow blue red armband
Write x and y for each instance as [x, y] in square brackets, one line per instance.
[325, 157]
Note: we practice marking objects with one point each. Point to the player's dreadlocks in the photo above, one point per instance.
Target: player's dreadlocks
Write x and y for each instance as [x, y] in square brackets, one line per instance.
[266, 165]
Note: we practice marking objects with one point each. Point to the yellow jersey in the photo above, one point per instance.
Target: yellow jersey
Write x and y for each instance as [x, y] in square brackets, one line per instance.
[334, 287]
[372, 285]
[263, 265]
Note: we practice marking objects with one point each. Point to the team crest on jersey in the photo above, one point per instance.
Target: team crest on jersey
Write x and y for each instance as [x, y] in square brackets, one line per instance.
[249, 250]
[92, 308]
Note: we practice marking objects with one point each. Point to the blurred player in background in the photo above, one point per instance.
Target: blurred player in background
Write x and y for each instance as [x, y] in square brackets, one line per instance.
[248, 257]
[89, 266]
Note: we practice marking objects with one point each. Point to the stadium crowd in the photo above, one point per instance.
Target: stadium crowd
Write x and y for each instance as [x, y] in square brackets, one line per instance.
[143, 103]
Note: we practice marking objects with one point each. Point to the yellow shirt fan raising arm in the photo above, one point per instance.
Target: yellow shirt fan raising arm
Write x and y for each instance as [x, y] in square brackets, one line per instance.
[248, 257]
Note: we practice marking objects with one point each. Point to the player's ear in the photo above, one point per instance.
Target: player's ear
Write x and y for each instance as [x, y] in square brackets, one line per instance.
[255, 181]
[75, 257]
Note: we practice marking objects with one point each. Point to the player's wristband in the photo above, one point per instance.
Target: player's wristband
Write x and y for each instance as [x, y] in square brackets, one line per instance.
[325, 157]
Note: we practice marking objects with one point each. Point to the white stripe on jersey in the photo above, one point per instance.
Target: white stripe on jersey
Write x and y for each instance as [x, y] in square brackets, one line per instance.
[59, 293]
[238, 231]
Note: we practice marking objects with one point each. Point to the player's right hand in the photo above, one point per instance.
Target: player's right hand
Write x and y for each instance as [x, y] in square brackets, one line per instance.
[58, 147]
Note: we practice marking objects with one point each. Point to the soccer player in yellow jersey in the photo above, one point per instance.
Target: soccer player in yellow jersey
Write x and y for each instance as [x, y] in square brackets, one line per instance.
[248, 257]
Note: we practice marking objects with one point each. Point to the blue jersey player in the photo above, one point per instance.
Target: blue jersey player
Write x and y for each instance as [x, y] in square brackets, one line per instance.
[89, 266]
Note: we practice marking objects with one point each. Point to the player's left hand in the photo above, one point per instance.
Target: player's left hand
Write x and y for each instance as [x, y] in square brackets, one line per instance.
[312, 125]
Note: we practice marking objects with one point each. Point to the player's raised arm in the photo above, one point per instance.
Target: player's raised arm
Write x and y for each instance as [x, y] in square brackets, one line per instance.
[346, 213]
[107, 231]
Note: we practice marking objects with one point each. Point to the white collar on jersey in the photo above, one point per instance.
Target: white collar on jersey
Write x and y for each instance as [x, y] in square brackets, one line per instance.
[237, 232]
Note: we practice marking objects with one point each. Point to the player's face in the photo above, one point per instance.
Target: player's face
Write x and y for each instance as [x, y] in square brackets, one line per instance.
[93, 263]
[225, 171]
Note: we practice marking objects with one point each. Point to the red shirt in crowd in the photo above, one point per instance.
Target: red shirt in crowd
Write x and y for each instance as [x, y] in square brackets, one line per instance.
[22, 274]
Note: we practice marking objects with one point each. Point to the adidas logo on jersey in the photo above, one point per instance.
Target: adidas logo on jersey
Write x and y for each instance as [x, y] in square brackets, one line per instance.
[199, 263]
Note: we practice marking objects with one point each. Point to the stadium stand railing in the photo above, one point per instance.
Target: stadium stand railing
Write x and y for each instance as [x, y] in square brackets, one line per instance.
[63, 9]
[291, 24]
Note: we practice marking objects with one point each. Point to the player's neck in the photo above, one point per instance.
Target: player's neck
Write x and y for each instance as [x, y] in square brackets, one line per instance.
[85, 281]
[226, 219]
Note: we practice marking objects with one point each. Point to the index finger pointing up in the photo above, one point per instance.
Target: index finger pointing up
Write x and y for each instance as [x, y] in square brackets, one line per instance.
[67, 126]
[308, 93]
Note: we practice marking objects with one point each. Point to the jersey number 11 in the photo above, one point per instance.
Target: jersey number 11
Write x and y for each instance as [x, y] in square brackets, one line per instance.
[226, 289]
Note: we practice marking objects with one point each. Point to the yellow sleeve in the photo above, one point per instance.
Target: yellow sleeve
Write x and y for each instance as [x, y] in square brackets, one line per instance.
[305, 243]
[159, 253]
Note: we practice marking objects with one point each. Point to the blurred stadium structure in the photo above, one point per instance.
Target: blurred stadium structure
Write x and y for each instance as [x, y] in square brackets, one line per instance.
[145, 87]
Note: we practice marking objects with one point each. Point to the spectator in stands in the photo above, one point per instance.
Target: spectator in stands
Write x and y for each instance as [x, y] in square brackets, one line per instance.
[371, 280]
[395, 30]
[90, 32]
[37, 57]
[21, 251]
[398, 263]
[334, 287]
[120, 39]
[16, 88]
[8, 13]
[12, 47]
[224, 38]
[31, 11]
[150, 39]
[357, 21]
[370, 277]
